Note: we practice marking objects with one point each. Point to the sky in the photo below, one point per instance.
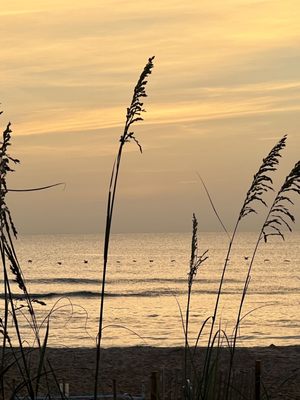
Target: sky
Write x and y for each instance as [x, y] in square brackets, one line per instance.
[225, 88]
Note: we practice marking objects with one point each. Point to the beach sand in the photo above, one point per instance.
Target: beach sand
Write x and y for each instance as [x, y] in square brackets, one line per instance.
[132, 367]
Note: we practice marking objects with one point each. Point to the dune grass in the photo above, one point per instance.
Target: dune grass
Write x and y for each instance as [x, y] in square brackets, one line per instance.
[30, 381]
[199, 383]
[278, 218]
[17, 304]
[133, 115]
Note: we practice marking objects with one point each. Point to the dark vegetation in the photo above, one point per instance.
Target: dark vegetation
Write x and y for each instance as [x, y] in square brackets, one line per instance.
[133, 115]
[200, 381]
[279, 218]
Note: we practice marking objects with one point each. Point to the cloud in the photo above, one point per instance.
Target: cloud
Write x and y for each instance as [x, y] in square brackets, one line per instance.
[220, 105]
[226, 74]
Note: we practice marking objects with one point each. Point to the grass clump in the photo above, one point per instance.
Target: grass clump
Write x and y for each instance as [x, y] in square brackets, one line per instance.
[279, 218]
[11, 265]
[17, 355]
[200, 383]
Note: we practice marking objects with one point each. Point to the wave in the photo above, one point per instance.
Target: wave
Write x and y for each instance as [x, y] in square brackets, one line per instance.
[86, 294]
[146, 293]
[93, 281]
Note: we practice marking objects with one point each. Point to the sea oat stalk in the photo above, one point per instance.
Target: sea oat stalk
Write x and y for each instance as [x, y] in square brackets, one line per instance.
[278, 218]
[261, 184]
[10, 265]
[195, 263]
[133, 115]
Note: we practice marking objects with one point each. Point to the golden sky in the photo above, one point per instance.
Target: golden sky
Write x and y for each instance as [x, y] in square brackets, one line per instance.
[224, 89]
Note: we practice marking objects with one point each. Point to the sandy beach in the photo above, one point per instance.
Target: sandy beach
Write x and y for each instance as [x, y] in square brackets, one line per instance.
[131, 367]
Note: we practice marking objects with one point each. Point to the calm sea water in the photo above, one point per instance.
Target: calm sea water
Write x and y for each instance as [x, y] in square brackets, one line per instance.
[147, 282]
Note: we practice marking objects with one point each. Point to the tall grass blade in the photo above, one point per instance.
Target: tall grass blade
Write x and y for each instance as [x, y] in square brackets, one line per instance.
[195, 262]
[38, 188]
[261, 184]
[11, 266]
[42, 359]
[213, 206]
[278, 218]
[133, 115]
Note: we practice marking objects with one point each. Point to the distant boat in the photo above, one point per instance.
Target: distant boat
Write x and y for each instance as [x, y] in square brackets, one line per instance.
[151, 261]
[30, 261]
[85, 261]
[59, 262]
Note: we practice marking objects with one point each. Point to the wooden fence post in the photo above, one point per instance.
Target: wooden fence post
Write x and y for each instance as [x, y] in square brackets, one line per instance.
[257, 379]
[162, 383]
[154, 386]
[114, 389]
[64, 389]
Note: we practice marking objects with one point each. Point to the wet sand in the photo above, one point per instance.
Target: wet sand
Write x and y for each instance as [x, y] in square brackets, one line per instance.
[132, 367]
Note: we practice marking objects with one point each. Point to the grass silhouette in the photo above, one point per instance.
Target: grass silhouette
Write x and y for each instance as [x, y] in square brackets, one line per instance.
[279, 217]
[133, 115]
[12, 272]
[198, 383]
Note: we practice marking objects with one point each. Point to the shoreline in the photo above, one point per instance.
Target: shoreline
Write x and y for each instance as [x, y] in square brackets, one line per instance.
[131, 367]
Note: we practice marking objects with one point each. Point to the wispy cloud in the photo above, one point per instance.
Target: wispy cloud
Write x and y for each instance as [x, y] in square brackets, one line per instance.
[224, 69]
[218, 103]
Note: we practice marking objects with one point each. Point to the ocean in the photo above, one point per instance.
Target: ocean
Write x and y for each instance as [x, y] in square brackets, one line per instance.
[147, 288]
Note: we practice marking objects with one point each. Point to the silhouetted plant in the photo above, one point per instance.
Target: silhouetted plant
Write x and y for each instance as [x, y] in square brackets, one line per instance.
[261, 184]
[10, 265]
[8, 256]
[133, 115]
[278, 218]
[195, 263]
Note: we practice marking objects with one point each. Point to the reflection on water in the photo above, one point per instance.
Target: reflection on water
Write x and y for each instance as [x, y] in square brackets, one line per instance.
[146, 286]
